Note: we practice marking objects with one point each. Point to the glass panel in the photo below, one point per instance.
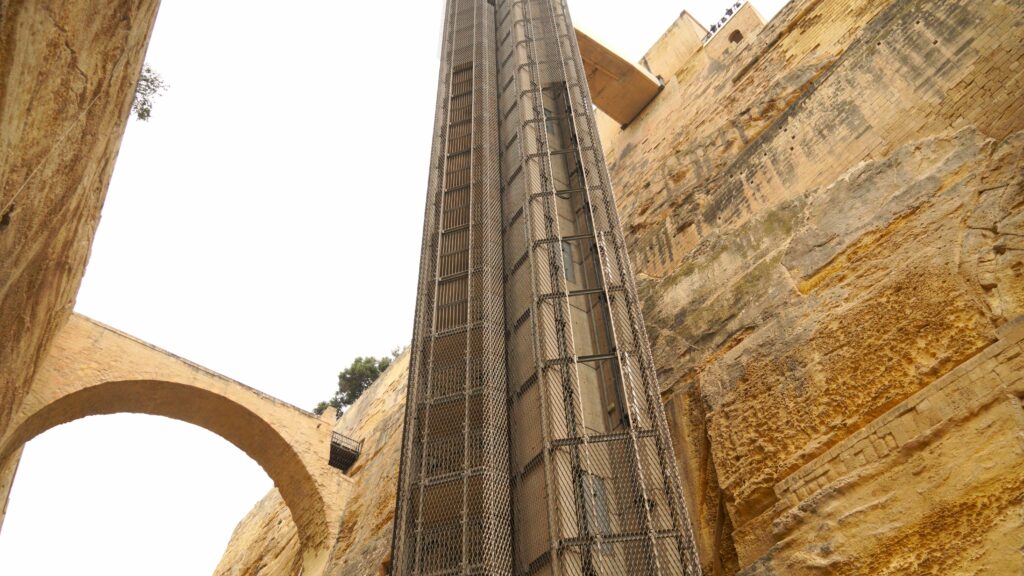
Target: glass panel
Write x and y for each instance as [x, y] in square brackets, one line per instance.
[592, 400]
[573, 214]
[567, 263]
[565, 165]
[565, 170]
[601, 396]
[581, 269]
[597, 504]
[590, 329]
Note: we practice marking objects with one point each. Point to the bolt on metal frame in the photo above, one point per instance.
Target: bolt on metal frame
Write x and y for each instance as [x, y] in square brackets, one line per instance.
[535, 439]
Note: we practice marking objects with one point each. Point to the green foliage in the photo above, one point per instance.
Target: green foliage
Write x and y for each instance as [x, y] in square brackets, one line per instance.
[355, 379]
[149, 86]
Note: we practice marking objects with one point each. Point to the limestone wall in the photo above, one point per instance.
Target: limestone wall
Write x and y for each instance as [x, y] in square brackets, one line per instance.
[938, 479]
[827, 220]
[67, 75]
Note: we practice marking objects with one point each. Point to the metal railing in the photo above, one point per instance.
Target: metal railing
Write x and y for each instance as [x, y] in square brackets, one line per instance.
[344, 451]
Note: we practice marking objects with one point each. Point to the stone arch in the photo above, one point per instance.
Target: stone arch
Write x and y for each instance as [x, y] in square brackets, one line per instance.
[197, 406]
[95, 370]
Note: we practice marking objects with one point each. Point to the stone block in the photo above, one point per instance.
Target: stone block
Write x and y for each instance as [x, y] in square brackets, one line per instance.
[905, 429]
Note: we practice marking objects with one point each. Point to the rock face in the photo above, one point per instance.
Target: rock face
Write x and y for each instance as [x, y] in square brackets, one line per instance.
[265, 542]
[827, 216]
[67, 76]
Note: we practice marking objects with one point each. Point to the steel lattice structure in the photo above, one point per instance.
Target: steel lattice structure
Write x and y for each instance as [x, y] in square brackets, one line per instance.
[535, 440]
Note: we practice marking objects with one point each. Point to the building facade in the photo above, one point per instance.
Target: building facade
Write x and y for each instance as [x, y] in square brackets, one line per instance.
[535, 439]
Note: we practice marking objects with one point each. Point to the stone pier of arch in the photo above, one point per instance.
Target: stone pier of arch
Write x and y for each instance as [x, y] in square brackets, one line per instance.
[93, 369]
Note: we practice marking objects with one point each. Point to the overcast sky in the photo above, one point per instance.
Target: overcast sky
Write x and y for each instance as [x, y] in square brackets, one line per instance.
[266, 224]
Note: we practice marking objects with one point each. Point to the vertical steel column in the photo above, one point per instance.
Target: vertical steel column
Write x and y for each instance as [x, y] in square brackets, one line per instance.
[453, 514]
[563, 37]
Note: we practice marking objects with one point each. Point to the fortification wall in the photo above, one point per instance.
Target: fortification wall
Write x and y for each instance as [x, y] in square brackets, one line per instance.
[826, 217]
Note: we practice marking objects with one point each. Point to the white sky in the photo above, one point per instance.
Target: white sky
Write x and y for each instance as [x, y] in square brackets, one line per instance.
[264, 223]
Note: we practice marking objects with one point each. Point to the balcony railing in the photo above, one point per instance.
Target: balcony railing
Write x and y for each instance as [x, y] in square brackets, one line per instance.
[344, 451]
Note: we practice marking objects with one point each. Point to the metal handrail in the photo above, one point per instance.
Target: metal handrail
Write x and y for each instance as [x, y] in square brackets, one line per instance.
[343, 441]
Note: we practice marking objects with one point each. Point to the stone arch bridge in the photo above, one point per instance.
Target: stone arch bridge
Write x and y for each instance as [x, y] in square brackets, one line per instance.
[93, 369]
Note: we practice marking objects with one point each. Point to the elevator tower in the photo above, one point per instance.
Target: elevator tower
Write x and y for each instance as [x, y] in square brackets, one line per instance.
[535, 441]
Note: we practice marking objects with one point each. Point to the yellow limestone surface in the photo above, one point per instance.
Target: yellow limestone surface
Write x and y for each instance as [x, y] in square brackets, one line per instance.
[825, 219]
[618, 87]
[67, 75]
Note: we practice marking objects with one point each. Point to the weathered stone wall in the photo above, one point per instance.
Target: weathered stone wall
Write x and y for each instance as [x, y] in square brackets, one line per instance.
[67, 75]
[8, 469]
[265, 542]
[935, 485]
[827, 218]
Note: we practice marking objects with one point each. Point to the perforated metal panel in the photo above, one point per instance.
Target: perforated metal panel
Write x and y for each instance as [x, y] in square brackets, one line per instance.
[535, 439]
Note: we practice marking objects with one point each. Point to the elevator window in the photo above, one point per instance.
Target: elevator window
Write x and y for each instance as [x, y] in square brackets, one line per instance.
[567, 263]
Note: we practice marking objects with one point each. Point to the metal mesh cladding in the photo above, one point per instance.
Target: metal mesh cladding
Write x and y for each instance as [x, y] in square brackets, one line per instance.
[594, 488]
[532, 393]
[454, 515]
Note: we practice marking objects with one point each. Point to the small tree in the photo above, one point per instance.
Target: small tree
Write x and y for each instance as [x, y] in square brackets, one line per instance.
[149, 86]
[355, 379]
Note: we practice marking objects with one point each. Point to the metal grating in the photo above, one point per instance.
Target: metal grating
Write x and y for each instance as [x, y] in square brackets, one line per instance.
[344, 451]
[535, 439]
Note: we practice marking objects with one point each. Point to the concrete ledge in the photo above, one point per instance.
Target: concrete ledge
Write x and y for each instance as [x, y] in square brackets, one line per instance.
[618, 87]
